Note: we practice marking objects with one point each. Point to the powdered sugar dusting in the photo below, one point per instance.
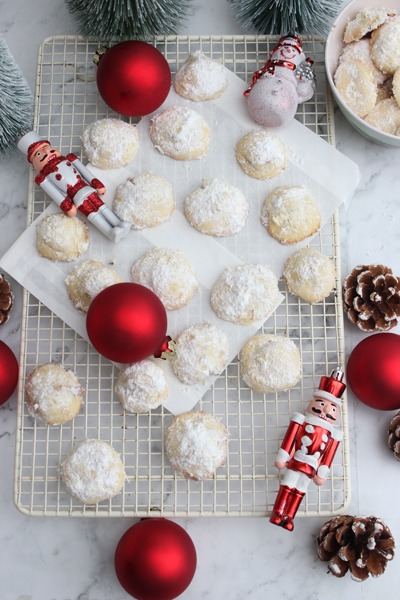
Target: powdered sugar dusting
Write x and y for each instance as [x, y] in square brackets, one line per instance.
[200, 78]
[87, 280]
[201, 350]
[62, 238]
[169, 274]
[245, 293]
[110, 143]
[141, 386]
[310, 274]
[218, 208]
[93, 472]
[196, 444]
[144, 200]
[180, 132]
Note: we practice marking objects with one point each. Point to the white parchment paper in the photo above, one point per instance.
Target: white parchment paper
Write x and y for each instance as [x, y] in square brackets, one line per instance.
[331, 177]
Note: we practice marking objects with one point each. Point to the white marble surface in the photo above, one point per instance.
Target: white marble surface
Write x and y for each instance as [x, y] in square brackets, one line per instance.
[239, 559]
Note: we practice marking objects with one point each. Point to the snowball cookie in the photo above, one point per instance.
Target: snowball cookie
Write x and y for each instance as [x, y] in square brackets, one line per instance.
[385, 116]
[218, 208]
[196, 444]
[141, 386]
[110, 143]
[180, 133]
[167, 273]
[88, 279]
[201, 350]
[291, 213]
[144, 200]
[200, 78]
[53, 394]
[357, 85]
[93, 472]
[62, 238]
[309, 275]
[365, 21]
[385, 46]
[245, 294]
[270, 363]
[261, 154]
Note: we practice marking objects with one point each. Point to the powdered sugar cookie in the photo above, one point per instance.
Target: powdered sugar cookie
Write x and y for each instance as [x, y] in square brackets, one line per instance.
[88, 279]
[144, 200]
[385, 46]
[291, 214]
[261, 154]
[218, 208]
[310, 275]
[201, 350]
[361, 51]
[385, 116]
[110, 143]
[357, 86]
[396, 86]
[196, 445]
[141, 386]
[180, 133]
[245, 294]
[62, 238]
[169, 274]
[200, 78]
[93, 472]
[53, 394]
[365, 21]
[270, 363]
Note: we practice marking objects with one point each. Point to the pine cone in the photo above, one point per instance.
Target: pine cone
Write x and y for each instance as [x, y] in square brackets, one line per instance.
[371, 296]
[6, 300]
[394, 436]
[361, 545]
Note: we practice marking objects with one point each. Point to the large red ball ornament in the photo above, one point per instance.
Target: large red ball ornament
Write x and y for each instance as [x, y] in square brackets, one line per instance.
[8, 372]
[373, 371]
[126, 322]
[155, 560]
[133, 78]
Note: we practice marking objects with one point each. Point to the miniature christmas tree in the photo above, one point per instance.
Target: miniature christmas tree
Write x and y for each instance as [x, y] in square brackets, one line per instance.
[16, 101]
[286, 16]
[128, 19]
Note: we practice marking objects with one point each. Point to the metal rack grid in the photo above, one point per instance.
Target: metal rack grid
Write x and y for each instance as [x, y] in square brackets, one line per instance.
[66, 100]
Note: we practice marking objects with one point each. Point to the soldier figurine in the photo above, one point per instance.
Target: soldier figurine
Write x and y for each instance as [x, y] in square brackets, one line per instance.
[71, 185]
[308, 448]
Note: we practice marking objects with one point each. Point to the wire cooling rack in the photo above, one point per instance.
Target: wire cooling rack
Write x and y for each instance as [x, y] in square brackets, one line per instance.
[66, 100]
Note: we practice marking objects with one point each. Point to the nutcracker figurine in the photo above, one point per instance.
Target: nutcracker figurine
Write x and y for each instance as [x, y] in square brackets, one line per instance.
[308, 448]
[286, 79]
[71, 185]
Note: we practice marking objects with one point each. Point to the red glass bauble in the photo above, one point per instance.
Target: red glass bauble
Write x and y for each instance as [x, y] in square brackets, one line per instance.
[126, 322]
[133, 78]
[373, 371]
[8, 372]
[155, 560]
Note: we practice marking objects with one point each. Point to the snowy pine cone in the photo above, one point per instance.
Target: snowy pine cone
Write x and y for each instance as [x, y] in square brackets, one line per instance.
[361, 545]
[6, 300]
[394, 435]
[371, 296]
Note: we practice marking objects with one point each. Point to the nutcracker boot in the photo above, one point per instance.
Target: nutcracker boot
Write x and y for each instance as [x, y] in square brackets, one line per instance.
[279, 511]
[114, 232]
[292, 505]
[114, 221]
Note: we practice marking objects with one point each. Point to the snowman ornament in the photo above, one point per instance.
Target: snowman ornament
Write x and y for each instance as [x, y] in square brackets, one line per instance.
[286, 79]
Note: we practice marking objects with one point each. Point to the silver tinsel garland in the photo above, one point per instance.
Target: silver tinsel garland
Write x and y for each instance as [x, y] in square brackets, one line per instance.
[286, 16]
[16, 101]
[128, 19]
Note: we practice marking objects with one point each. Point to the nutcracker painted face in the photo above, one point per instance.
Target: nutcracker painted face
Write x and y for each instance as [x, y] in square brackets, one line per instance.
[324, 409]
[42, 155]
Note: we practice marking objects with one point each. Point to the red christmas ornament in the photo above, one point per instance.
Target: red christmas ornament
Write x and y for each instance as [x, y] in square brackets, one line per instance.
[8, 372]
[373, 371]
[133, 78]
[126, 322]
[155, 560]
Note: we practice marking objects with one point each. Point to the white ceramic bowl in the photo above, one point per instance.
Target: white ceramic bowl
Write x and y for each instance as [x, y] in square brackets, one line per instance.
[334, 46]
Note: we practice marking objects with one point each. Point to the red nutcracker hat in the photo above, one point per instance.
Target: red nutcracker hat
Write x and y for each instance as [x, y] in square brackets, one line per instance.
[30, 142]
[331, 388]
